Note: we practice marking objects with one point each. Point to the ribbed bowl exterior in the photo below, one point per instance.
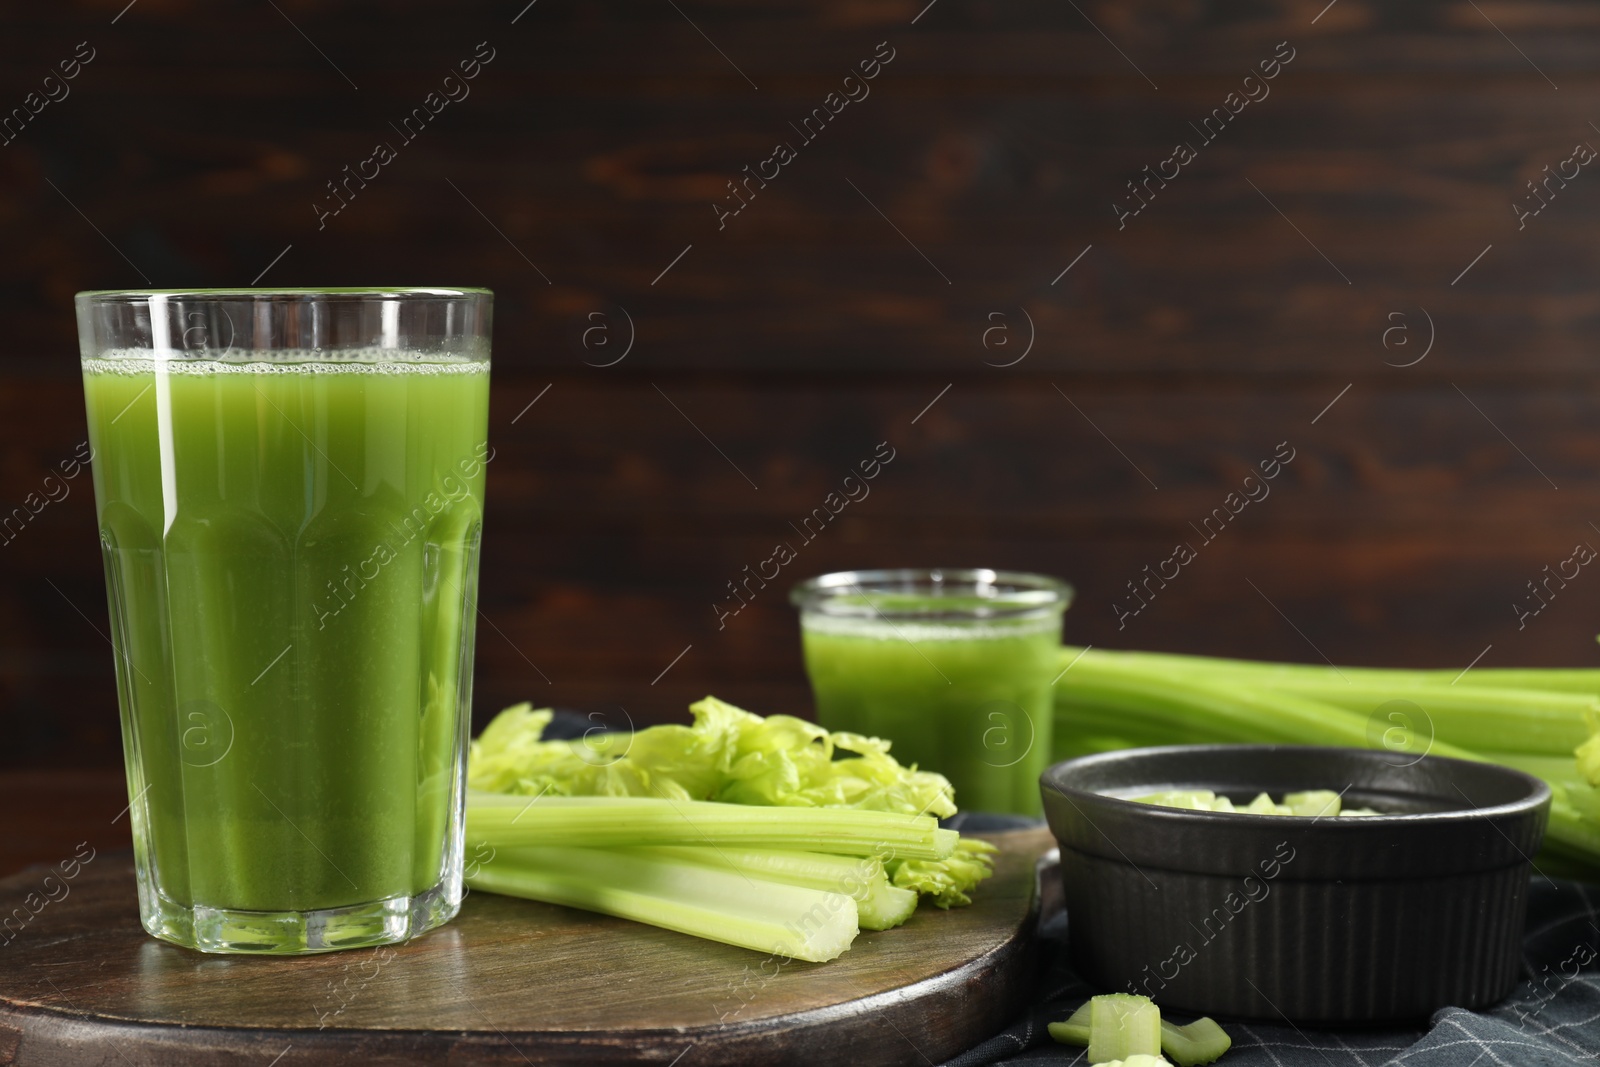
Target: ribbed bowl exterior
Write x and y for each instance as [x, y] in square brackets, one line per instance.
[1316, 952]
[1314, 921]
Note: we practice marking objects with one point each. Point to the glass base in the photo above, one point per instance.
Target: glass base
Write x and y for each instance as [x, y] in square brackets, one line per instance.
[296, 933]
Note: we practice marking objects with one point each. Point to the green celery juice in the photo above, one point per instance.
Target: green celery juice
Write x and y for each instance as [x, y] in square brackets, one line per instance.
[970, 700]
[291, 553]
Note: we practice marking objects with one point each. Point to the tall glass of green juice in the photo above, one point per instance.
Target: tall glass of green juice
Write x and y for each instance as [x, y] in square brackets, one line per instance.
[290, 496]
[952, 666]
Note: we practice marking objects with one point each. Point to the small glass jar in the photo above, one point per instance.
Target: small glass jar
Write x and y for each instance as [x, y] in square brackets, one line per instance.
[954, 667]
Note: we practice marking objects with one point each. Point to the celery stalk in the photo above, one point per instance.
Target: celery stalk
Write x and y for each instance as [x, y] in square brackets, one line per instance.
[1152, 698]
[1199, 1043]
[505, 821]
[1583, 680]
[1123, 1025]
[691, 898]
[879, 905]
[1469, 716]
[1108, 691]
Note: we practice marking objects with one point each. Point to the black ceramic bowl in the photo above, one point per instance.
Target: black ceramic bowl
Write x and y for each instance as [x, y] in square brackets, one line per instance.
[1330, 920]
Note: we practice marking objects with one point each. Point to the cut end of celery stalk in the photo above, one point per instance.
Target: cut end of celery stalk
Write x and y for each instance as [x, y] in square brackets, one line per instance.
[1123, 1025]
[885, 907]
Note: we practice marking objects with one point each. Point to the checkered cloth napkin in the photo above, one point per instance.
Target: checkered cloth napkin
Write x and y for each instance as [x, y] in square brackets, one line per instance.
[1552, 1019]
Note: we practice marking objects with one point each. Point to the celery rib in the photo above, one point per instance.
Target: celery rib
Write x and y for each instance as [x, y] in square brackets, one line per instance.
[691, 898]
[512, 821]
[1140, 698]
[879, 905]
[1472, 716]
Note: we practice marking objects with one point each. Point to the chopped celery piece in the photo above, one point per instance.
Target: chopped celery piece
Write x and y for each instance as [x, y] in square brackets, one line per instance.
[1194, 1045]
[1070, 1033]
[1074, 1029]
[1123, 1025]
[1198, 799]
[511, 821]
[726, 906]
[1199, 1043]
[1137, 1060]
[1314, 802]
[879, 905]
[1261, 805]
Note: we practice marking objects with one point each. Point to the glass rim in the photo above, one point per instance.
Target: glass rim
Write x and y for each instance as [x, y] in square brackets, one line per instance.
[137, 296]
[1029, 594]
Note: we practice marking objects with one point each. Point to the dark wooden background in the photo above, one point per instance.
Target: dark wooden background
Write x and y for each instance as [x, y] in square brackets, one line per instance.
[1251, 292]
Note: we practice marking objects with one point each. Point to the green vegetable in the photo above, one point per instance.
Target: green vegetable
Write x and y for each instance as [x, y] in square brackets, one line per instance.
[677, 825]
[949, 880]
[1315, 803]
[726, 906]
[1137, 1060]
[735, 757]
[1263, 805]
[1123, 1025]
[879, 905]
[1521, 717]
[1199, 1043]
[1589, 756]
[728, 754]
[1074, 1029]
[506, 821]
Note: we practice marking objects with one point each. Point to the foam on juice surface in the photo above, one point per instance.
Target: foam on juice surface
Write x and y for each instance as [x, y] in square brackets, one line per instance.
[287, 361]
[890, 629]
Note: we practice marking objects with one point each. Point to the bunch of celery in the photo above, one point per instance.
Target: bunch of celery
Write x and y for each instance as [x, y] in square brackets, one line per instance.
[1531, 719]
[769, 833]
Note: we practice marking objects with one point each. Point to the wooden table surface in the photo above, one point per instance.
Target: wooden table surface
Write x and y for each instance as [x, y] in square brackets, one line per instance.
[509, 981]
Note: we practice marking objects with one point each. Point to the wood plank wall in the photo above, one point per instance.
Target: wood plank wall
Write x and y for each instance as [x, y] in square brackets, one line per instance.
[880, 288]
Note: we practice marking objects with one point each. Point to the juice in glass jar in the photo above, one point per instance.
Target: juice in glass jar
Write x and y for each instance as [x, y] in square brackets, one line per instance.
[954, 667]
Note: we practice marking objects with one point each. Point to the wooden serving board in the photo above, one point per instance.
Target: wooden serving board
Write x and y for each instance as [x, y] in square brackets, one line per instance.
[509, 982]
